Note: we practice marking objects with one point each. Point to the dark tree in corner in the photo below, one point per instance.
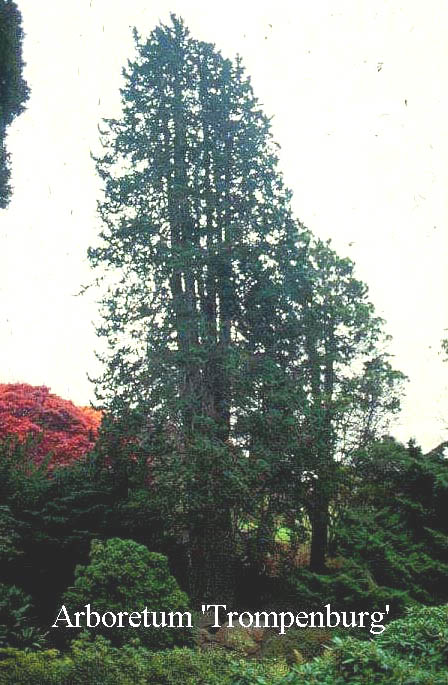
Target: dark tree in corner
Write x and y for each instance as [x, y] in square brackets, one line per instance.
[198, 229]
[13, 89]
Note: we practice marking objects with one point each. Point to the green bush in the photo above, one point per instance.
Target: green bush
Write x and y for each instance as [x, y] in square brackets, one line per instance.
[125, 576]
[396, 524]
[98, 663]
[383, 542]
[88, 663]
[362, 662]
[31, 668]
[411, 651]
[421, 637]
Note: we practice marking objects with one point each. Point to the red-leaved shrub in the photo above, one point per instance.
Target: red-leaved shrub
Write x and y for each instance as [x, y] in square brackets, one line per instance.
[65, 431]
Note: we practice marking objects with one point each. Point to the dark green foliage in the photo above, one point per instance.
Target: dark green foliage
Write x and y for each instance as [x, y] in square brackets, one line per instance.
[396, 524]
[47, 522]
[391, 526]
[124, 576]
[13, 89]
[16, 629]
[387, 548]
[348, 588]
[59, 535]
[51, 519]
[22, 483]
[390, 474]
[10, 538]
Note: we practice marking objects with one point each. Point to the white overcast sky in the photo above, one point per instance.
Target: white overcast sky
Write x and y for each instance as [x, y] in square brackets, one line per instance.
[358, 94]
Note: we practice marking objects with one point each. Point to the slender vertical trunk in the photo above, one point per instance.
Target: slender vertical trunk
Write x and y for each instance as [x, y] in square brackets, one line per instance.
[319, 518]
[212, 578]
[222, 381]
[265, 535]
[322, 384]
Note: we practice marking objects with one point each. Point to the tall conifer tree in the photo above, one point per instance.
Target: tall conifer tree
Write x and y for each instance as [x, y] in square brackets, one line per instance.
[231, 332]
[197, 227]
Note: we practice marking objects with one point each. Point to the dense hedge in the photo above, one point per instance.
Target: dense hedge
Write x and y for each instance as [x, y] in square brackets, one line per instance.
[92, 663]
[412, 651]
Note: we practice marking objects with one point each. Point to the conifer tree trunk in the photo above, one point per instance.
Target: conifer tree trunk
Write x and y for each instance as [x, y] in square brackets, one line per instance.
[212, 578]
[322, 384]
[319, 519]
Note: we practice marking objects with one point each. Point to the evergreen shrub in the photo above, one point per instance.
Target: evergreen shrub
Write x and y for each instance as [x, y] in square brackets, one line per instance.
[125, 576]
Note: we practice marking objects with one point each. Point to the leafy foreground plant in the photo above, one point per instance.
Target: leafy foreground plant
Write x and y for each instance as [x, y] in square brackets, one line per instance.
[412, 651]
[15, 628]
[91, 663]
